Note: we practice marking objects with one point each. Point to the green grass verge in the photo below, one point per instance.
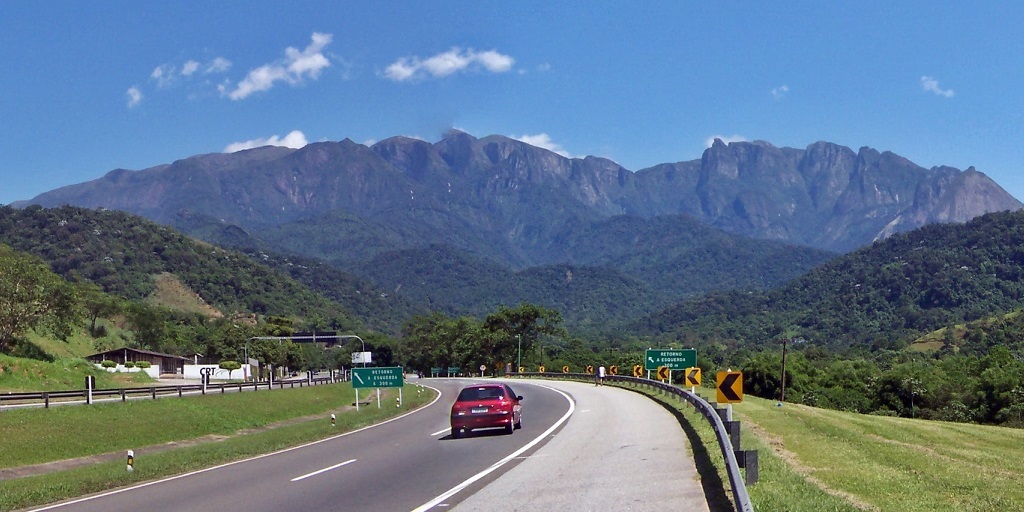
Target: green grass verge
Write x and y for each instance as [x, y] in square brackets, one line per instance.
[821, 460]
[30, 375]
[35, 436]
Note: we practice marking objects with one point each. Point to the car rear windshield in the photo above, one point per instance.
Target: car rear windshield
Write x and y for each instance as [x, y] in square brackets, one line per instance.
[480, 394]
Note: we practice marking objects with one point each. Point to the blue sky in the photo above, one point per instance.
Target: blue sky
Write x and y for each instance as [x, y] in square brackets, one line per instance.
[88, 87]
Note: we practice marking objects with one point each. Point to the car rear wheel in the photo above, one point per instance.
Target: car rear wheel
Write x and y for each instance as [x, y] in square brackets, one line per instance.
[519, 424]
[456, 433]
[509, 428]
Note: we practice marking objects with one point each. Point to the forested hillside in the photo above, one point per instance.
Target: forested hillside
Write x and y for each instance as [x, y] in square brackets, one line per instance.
[883, 295]
[123, 254]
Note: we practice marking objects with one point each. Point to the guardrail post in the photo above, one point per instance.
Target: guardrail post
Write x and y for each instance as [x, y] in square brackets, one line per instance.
[46, 400]
[733, 427]
[152, 392]
[123, 397]
[179, 391]
[749, 458]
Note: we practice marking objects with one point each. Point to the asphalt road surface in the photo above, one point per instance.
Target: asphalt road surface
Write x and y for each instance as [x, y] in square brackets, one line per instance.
[620, 452]
[580, 448]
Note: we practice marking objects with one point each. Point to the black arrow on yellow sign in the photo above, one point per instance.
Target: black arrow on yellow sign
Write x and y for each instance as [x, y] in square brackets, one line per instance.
[613, 370]
[590, 368]
[729, 387]
[664, 373]
[565, 369]
[638, 370]
[692, 377]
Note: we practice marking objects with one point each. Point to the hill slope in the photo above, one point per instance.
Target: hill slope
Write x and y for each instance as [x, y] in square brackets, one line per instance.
[124, 254]
[883, 295]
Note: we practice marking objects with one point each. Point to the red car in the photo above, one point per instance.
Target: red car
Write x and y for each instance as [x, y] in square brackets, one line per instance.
[486, 406]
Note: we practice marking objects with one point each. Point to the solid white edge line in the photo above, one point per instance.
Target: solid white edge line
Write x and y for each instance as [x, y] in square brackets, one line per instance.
[184, 475]
[439, 432]
[324, 470]
[454, 490]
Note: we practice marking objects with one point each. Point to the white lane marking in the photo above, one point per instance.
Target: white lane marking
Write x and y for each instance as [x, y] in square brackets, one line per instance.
[214, 468]
[324, 470]
[439, 432]
[455, 490]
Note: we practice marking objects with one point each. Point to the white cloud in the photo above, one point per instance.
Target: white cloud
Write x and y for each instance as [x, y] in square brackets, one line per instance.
[218, 65]
[542, 140]
[134, 97]
[447, 63]
[930, 84]
[163, 74]
[294, 140]
[190, 67]
[780, 91]
[725, 138]
[293, 69]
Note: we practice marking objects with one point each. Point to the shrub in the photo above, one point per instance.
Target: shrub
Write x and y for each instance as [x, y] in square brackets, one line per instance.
[107, 363]
[143, 364]
[129, 364]
[230, 365]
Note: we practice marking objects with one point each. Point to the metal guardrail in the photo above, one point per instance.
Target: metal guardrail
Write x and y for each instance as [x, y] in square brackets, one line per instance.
[45, 398]
[728, 442]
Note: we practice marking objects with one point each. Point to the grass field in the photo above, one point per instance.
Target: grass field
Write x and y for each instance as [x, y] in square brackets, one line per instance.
[233, 426]
[820, 460]
[65, 374]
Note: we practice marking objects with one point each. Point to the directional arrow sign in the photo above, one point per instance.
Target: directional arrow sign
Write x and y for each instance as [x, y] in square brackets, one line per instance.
[638, 371]
[674, 359]
[590, 368]
[540, 369]
[664, 373]
[381, 377]
[692, 377]
[614, 370]
[729, 387]
[565, 369]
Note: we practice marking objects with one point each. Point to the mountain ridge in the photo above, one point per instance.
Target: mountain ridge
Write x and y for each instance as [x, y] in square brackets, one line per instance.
[825, 196]
[503, 201]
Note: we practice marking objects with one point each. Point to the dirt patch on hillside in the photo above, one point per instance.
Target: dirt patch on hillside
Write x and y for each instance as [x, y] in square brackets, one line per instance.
[169, 291]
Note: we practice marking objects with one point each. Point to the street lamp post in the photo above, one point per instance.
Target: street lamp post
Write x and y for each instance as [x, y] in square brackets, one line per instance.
[361, 342]
[519, 353]
[783, 398]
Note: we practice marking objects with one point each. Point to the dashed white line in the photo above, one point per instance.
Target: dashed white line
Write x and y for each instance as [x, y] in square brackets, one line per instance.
[324, 470]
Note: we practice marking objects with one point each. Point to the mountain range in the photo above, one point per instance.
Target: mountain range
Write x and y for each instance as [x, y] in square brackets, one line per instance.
[427, 220]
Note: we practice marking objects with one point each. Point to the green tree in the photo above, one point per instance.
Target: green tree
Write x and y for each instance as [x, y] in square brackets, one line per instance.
[510, 330]
[96, 304]
[32, 295]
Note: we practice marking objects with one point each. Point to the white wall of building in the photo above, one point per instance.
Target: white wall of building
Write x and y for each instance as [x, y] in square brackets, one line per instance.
[192, 371]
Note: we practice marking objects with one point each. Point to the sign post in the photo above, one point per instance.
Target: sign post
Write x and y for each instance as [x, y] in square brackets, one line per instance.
[384, 377]
[692, 378]
[672, 359]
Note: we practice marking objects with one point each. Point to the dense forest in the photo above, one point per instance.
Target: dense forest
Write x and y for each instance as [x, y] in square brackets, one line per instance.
[882, 296]
[925, 324]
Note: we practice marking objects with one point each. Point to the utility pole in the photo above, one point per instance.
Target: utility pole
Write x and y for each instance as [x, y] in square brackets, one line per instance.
[783, 398]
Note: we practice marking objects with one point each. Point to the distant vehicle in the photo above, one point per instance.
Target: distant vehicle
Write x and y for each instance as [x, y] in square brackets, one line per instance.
[486, 406]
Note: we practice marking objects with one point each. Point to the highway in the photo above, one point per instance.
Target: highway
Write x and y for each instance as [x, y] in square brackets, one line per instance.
[410, 463]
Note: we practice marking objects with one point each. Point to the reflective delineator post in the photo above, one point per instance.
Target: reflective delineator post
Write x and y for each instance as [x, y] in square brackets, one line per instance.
[334, 421]
[131, 460]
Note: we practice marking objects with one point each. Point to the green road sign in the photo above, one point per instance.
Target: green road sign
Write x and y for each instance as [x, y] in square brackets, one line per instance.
[387, 377]
[673, 359]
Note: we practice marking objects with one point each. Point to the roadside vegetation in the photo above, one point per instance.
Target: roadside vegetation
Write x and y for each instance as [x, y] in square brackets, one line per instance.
[210, 430]
[814, 460]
